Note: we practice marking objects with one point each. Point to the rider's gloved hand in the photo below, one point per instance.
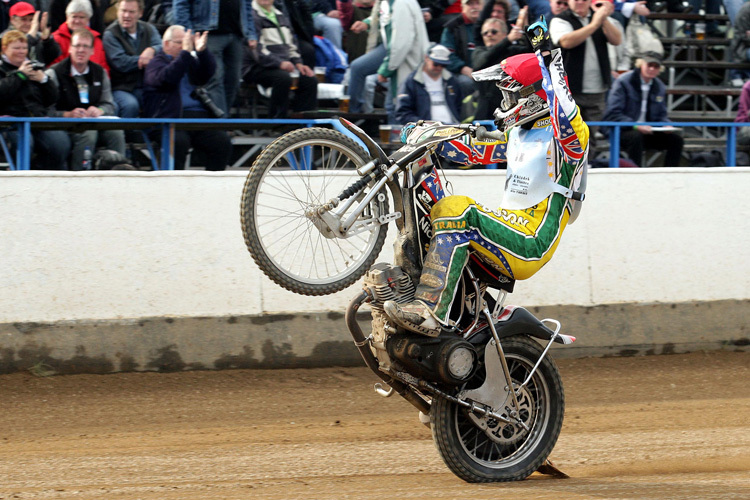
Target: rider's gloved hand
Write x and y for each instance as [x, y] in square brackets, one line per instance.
[538, 35]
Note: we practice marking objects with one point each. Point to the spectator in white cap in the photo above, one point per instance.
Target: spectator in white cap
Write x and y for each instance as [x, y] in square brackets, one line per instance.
[430, 92]
[639, 96]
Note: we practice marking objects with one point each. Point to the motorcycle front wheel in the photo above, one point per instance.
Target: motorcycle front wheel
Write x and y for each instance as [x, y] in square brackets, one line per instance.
[481, 449]
[294, 175]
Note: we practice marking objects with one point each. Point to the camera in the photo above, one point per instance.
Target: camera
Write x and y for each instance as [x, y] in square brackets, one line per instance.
[37, 66]
[200, 94]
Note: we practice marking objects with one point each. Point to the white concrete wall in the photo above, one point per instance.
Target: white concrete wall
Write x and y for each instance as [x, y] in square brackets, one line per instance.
[111, 245]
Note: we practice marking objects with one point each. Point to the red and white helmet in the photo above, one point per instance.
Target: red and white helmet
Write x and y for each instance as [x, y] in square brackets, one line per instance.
[519, 78]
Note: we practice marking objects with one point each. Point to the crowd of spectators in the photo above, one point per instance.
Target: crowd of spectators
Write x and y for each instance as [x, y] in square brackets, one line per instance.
[91, 58]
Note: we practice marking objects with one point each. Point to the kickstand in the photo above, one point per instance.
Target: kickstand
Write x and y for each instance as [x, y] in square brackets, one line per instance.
[549, 469]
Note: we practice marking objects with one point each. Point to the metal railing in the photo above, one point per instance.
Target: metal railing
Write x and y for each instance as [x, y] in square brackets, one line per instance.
[165, 126]
[614, 136]
[167, 129]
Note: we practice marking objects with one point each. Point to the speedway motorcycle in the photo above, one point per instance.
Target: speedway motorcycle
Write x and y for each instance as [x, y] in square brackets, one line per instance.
[315, 210]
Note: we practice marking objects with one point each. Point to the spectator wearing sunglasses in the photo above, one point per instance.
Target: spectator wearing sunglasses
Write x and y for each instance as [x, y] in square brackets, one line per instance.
[498, 9]
[430, 92]
[499, 44]
[639, 96]
[557, 7]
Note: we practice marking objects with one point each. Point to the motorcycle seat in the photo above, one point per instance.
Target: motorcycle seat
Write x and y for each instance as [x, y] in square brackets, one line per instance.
[488, 275]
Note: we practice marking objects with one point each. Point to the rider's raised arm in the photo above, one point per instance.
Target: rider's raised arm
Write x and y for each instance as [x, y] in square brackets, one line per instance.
[571, 131]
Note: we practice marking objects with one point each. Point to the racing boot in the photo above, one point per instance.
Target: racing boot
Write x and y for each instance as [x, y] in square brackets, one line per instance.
[414, 316]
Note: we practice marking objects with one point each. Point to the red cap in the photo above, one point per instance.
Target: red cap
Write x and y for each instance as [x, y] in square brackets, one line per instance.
[21, 9]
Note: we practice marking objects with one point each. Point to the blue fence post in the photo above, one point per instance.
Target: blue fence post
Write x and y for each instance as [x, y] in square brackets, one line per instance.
[167, 146]
[23, 152]
[732, 146]
[6, 152]
[614, 147]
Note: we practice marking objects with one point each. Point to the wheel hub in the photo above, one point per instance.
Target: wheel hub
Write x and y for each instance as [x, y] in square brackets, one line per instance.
[313, 214]
[508, 433]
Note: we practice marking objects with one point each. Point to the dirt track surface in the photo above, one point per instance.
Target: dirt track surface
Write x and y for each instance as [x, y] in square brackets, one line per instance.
[659, 427]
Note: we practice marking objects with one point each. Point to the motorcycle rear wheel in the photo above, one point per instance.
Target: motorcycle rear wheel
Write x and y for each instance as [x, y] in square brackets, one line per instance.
[472, 455]
[295, 173]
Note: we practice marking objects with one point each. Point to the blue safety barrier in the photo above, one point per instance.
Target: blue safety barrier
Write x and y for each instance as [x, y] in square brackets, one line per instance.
[24, 126]
[614, 135]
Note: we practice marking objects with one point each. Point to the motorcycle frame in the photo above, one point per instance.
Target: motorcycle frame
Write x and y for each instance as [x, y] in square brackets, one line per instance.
[409, 255]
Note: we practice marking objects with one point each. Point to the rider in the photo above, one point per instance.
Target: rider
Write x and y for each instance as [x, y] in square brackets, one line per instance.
[545, 144]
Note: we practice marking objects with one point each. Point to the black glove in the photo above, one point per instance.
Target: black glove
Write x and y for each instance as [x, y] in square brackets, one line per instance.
[538, 35]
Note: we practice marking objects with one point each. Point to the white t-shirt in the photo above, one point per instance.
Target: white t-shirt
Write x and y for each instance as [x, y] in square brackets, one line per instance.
[592, 76]
[645, 89]
[439, 110]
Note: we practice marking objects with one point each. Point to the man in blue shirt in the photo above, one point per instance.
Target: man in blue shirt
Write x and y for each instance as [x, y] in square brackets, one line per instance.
[170, 82]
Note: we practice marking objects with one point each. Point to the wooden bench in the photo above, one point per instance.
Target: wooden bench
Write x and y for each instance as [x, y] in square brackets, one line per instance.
[700, 116]
[715, 91]
[714, 102]
[706, 42]
[673, 16]
[719, 65]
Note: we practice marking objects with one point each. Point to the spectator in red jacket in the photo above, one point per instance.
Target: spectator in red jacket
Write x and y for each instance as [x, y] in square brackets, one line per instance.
[79, 14]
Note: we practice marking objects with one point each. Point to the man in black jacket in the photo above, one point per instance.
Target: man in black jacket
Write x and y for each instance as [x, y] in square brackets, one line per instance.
[583, 32]
[130, 44]
[27, 91]
[277, 63]
[430, 92]
[458, 37]
[85, 92]
[628, 102]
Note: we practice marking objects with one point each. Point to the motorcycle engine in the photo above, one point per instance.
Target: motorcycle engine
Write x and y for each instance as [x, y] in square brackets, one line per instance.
[385, 282]
[447, 358]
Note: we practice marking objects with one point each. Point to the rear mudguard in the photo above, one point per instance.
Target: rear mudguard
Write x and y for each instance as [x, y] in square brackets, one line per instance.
[515, 320]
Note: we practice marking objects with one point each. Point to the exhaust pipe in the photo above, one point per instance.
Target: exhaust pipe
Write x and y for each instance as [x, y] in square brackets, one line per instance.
[364, 350]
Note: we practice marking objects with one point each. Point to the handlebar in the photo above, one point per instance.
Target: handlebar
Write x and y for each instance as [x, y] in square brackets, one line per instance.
[482, 133]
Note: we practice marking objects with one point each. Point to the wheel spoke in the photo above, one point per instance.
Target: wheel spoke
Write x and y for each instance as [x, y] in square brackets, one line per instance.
[299, 171]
